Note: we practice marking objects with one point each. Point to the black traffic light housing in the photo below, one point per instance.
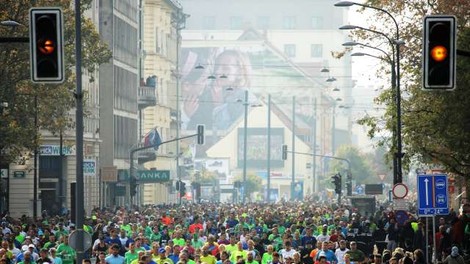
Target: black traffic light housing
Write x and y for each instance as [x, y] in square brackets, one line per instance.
[133, 186]
[182, 188]
[284, 152]
[237, 184]
[46, 45]
[200, 135]
[337, 182]
[439, 52]
[177, 185]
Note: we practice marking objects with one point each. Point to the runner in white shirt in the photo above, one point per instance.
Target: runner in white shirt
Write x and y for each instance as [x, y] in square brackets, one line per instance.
[341, 251]
[287, 251]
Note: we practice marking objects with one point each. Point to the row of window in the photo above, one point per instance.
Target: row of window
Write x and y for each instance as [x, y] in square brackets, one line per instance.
[125, 90]
[128, 8]
[125, 136]
[125, 42]
[316, 50]
[262, 22]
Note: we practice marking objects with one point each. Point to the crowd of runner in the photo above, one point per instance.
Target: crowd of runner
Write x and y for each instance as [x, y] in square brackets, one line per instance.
[290, 233]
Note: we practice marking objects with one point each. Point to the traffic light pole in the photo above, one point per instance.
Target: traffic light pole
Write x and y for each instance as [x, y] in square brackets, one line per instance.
[133, 151]
[79, 202]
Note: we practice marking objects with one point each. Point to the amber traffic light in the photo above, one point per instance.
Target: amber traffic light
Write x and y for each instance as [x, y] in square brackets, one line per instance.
[439, 52]
[46, 44]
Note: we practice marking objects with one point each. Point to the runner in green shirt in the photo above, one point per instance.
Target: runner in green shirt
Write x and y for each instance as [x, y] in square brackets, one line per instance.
[65, 251]
[132, 254]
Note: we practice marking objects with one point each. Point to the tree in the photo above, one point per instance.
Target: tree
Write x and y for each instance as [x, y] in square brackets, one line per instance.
[17, 131]
[361, 168]
[253, 184]
[436, 125]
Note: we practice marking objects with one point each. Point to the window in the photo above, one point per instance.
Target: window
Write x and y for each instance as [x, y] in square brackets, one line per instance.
[263, 22]
[208, 22]
[289, 50]
[317, 22]
[236, 22]
[125, 136]
[316, 50]
[290, 22]
[49, 167]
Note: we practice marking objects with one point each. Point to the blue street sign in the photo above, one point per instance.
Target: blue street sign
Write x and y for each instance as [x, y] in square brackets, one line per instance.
[359, 189]
[433, 195]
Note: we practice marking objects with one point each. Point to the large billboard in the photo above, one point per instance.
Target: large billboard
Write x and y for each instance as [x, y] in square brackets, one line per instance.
[214, 81]
[257, 147]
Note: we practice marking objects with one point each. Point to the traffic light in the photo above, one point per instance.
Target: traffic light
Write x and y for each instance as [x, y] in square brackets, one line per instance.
[133, 186]
[284, 152]
[46, 45]
[182, 188]
[440, 52]
[349, 188]
[200, 134]
[337, 182]
[177, 185]
[237, 184]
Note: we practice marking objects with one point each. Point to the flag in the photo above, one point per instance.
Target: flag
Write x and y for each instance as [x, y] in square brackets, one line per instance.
[152, 139]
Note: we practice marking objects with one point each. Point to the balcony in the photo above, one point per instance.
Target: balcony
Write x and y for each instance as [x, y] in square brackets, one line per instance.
[147, 97]
[145, 155]
[147, 92]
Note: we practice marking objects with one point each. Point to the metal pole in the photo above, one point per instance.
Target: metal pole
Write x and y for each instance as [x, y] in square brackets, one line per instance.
[178, 39]
[245, 141]
[131, 174]
[293, 150]
[79, 135]
[427, 240]
[139, 77]
[314, 142]
[35, 175]
[333, 130]
[398, 98]
[140, 74]
[268, 172]
[434, 249]
[62, 188]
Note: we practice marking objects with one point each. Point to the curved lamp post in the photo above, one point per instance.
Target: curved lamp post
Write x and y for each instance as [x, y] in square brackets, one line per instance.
[398, 178]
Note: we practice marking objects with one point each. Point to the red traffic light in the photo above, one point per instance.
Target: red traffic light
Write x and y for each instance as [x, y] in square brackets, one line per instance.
[439, 53]
[46, 47]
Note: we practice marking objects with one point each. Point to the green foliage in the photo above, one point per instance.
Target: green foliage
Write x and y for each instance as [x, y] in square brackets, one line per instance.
[17, 132]
[361, 165]
[436, 125]
[253, 183]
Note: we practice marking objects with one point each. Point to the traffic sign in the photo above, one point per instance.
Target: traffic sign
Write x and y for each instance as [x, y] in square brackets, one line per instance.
[433, 195]
[400, 190]
[359, 189]
[401, 216]
[3, 173]
[86, 239]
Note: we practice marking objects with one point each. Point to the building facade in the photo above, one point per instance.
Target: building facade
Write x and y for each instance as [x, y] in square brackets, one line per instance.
[161, 24]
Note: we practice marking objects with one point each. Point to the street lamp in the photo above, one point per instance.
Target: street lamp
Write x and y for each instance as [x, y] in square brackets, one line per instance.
[397, 42]
[353, 43]
[245, 140]
[10, 23]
